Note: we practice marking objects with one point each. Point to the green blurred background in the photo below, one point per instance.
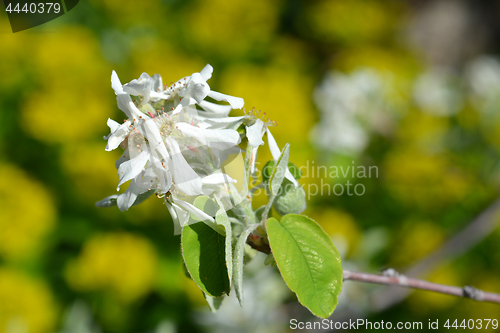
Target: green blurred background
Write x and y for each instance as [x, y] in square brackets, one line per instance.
[411, 87]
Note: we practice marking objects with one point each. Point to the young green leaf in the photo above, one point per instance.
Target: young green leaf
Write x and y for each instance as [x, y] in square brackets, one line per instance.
[259, 211]
[290, 200]
[308, 261]
[222, 219]
[208, 206]
[204, 253]
[267, 170]
[238, 262]
[279, 171]
[294, 170]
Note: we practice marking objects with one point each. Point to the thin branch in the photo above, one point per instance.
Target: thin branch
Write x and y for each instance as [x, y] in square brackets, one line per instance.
[395, 279]
[478, 229]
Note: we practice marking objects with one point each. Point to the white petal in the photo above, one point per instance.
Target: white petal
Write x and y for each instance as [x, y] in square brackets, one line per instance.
[235, 102]
[222, 139]
[157, 83]
[217, 108]
[141, 86]
[218, 139]
[113, 125]
[193, 132]
[193, 210]
[197, 88]
[206, 72]
[177, 109]
[253, 160]
[155, 177]
[127, 199]
[130, 169]
[179, 216]
[224, 122]
[118, 135]
[124, 157]
[289, 176]
[152, 133]
[116, 84]
[273, 146]
[125, 104]
[154, 96]
[184, 177]
[255, 133]
[275, 151]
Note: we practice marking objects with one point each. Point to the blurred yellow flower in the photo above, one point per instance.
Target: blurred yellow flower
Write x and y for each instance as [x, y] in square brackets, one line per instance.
[120, 262]
[159, 57]
[415, 240]
[492, 134]
[26, 304]
[13, 53]
[232, 28]
[425, 180]
[91, 180]
[27, 213]
[289, 52]
[424, 131]
[401, 64]
[284, 95]
[341, 226]
[71, 100]
[47, 115]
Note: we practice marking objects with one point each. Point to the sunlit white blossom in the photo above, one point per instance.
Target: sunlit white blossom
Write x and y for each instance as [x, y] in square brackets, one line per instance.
[162, 127]
[254, 133]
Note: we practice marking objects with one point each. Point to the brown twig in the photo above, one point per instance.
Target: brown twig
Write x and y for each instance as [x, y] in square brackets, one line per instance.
[395, 279]
[478, 229]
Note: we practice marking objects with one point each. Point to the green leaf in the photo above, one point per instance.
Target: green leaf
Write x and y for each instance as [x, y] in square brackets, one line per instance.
[209, 207]
[222, 219]
[238, 262]
[268, 170]
[204, 254]
[294, 170]
[290, 200]
[279, 171]
[308, 261]
[260, 211]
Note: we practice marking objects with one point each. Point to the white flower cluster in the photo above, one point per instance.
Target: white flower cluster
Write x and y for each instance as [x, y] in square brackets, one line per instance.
[175, 142]
[366, 101]
[352, 107]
